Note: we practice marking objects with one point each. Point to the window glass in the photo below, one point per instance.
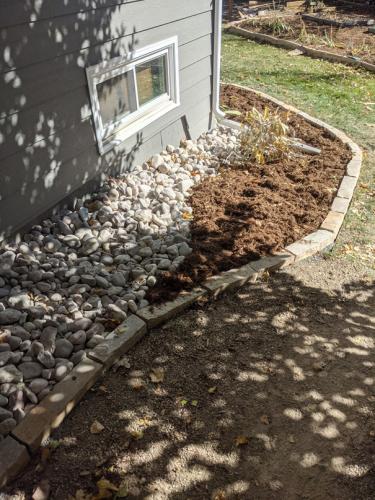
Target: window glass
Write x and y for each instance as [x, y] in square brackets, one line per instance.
[114, 98]
[151, 79]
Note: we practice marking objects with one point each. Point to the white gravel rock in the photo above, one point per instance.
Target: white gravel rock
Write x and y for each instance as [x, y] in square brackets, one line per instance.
[75, 271]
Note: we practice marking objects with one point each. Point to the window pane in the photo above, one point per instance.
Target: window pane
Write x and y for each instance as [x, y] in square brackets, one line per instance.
[151, 79]
[114, 98]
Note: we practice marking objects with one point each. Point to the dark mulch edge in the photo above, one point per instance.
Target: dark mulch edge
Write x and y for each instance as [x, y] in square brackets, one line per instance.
[214, 250]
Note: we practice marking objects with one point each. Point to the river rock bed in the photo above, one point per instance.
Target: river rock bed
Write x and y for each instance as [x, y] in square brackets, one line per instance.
[76, 276]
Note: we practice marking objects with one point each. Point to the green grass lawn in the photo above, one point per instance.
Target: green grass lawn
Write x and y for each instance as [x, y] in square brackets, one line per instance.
[341, 95]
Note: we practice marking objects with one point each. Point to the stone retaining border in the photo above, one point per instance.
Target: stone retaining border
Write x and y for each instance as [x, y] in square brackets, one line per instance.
[308, 51]
[25, 439]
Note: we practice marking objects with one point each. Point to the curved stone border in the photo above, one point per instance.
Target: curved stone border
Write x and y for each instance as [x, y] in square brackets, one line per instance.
[35, 428]
[308, 51]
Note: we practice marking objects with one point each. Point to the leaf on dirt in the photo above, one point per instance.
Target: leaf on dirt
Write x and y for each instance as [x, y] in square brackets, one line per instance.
[291, 439]
[157, 375]
[183, 402]
[84, 473]
[42, 491]
[105, 489]
[121, 363]
[103, 388]
[212, 390]
[137, 385]
[137, 435]
[194, 402]
[241, 440]
[265, 420]
[122, 492]
[96, 427]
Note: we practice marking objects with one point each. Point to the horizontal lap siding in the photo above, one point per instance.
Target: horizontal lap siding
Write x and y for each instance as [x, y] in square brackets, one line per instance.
[47, 142]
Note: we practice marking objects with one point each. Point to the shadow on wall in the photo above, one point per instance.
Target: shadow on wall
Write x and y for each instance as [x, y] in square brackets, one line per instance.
[269, 394]
[47, 144]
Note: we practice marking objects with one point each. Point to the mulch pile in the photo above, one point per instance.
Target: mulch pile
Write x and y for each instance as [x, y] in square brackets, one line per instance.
[243, 214]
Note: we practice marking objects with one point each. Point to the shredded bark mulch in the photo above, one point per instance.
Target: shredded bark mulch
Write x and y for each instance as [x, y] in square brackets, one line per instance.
[241, 215]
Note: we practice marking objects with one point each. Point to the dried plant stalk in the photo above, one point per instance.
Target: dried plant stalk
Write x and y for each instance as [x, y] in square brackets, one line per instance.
[264, 137]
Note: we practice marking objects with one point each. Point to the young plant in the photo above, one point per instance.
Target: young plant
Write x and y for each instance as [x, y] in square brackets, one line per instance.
[279, 27]
[264, 137]
[328, 39]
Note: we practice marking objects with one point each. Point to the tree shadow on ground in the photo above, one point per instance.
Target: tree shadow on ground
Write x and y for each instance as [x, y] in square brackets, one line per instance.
[266, 394]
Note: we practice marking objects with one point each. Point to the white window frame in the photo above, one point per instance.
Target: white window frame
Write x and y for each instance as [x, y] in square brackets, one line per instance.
[112, 134]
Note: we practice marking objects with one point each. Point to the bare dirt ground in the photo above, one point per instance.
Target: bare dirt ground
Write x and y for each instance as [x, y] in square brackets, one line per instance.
[265, 394]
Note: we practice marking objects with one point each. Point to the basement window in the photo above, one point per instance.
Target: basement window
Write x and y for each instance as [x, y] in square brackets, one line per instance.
[128, 93]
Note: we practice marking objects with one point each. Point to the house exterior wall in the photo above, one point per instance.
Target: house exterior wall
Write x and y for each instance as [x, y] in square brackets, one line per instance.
[48, 150]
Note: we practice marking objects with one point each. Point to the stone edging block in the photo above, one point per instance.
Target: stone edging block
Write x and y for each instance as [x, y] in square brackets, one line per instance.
[125, 336]
[230, 280]
[308, 51]
[51, 411]
[311, 244]
[13, 458]
[347, 186]
[273, 262]
[333, 222]
[155, 314]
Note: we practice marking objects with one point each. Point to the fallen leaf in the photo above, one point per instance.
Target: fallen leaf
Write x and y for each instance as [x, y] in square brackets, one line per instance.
[157, 375]
[42, 491]
[121, 363]
[183, 402]
[96, 427]
[84, 473]
[187, 216]
[137, 385]
[106, 489]
[136, 435]
[265, 420]
[213, 389]
[241, 440]
[103, 388]
[194, 402]
[122, 492]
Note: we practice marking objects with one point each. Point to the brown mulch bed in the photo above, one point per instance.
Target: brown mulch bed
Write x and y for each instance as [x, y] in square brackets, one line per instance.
[355, 41]
[241, 215]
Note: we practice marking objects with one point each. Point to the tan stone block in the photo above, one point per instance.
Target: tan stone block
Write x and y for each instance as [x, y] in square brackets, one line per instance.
[354, 166]
[273, 262]
[347, 187]
[156, 314]
[333, 222]
[51, 411]
[340, 205]
[13, 458]
[311, 244]
[230, 280]
[127, 334]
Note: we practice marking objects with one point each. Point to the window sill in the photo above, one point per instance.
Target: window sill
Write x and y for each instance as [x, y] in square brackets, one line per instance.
[133, 128]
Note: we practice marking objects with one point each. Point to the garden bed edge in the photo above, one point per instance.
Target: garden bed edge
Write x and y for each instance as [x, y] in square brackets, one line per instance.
[308, 51]
[26, 438]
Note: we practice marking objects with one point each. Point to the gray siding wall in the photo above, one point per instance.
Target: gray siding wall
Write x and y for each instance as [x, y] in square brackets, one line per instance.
[48, 150]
